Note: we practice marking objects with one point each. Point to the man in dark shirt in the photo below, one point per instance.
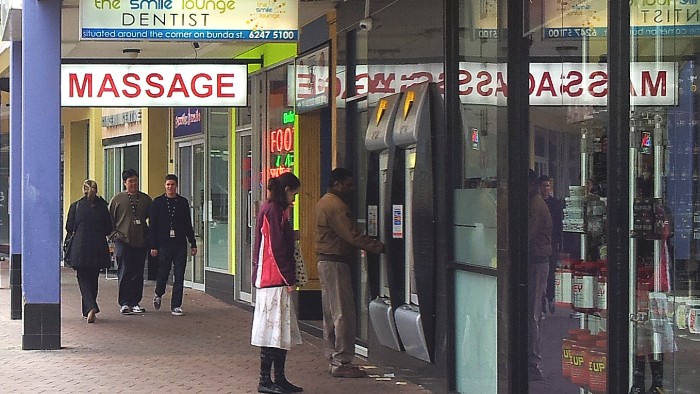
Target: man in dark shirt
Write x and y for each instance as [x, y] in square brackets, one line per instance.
[557, 212]
[171, 228]
[539, 239]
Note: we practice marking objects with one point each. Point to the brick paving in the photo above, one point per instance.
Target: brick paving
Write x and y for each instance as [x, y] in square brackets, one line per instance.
[206, 351]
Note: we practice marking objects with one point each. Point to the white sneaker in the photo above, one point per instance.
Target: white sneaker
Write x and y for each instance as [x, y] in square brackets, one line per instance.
[177, 311]
[125, 310]
[137, 309]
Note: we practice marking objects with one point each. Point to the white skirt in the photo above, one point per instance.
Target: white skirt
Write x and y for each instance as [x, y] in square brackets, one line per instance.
[275, 319]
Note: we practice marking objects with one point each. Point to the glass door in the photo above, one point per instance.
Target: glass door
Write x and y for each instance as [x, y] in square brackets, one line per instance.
[244, 215]
[190, 168]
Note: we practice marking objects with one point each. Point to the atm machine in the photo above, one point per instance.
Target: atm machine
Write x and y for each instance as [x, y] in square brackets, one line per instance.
[413, 215]
[387, 294]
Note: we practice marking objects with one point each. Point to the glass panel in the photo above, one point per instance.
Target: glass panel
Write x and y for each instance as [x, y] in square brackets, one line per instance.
[665, 195]
[131, 158]
[475, 324]
[111, 185]
[198, 218]
[245, 216]
[217, 237]
[567, 266]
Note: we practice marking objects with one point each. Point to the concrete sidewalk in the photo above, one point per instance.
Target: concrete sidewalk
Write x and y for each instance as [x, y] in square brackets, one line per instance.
[206, 351]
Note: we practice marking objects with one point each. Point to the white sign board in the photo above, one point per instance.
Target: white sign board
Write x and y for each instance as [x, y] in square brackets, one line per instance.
[115, 85]
[189, 20]
[551, 84]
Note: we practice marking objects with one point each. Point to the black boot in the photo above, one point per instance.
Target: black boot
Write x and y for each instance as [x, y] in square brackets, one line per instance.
[280, 379]
[638, 375]
[657, 375]
[266, 385]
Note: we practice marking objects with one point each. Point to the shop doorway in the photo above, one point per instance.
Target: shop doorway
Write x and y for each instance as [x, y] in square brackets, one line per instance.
[190, 171]
[244, 214]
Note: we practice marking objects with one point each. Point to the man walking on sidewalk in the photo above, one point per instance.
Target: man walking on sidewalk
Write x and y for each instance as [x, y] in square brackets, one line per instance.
[337, 238]
[171, 228]
[129, 210]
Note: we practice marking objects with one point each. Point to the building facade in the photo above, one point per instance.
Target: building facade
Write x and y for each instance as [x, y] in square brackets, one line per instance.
[440, 110]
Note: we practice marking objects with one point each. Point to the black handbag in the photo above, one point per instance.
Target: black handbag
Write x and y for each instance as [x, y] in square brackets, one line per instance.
[69, 238]
[66, 245]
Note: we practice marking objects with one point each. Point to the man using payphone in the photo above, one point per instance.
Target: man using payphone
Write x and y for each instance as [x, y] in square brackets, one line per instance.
[337, 238]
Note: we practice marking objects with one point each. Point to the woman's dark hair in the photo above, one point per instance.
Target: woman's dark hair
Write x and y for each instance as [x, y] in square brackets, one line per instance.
[277, 186]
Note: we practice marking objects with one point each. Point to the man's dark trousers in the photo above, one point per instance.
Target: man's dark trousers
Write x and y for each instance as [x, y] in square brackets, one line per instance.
[175, 256]
[130, 261]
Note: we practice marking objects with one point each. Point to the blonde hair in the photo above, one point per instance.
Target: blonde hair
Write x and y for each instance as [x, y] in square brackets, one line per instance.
[90, 188]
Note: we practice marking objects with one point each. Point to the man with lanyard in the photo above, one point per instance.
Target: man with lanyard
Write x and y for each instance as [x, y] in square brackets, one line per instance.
[171, 228]
[129, 210]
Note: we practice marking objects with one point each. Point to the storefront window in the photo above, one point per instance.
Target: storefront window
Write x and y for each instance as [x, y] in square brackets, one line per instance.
[664, 195]
[118, 159]
[218, 229]
[476, 190]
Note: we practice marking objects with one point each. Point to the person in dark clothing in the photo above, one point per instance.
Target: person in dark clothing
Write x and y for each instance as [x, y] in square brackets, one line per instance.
[539, 233]
[171, 228]
[89, 222]
[556, 210]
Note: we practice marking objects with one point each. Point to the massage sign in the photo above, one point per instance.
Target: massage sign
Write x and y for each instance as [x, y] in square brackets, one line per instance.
[162, 85]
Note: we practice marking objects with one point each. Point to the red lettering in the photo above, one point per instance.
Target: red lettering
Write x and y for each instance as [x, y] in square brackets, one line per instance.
[416, 77]
[596, 83]
[360, 87]
[75, 84]
[382, 83]
[633, 91]
[288, 139]
[220, 85]
[194, 87]
[178, 86]
[485, 81]
[465, 77]
[547, 85]
[648, 87]
[108, 86]
[151, 81]
[274, 142]
[305, 85]
[531, 84]
[575, 79]
[130, 80]
[501, 85]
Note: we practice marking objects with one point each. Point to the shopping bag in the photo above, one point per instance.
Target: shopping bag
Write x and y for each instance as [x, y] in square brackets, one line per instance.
[300, 265]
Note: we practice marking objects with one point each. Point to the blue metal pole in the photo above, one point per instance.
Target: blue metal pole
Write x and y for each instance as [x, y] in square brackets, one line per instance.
[15, 198]
[41, 126]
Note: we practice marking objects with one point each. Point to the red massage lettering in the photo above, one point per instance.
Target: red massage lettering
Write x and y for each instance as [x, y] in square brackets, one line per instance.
[75, 84]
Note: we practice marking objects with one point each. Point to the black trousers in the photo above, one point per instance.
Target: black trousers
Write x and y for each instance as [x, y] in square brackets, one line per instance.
[87, 281]
[130, 261]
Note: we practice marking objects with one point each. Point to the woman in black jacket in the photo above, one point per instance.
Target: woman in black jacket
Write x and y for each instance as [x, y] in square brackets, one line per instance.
[90, 223]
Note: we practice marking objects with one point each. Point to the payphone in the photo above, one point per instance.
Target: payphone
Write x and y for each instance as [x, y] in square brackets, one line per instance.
[386, 293]
[413, 215]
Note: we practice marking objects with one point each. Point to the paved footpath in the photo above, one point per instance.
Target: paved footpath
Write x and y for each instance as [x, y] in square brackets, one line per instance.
[206, 351]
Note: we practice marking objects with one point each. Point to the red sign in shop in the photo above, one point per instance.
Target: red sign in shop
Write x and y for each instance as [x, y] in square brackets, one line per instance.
[281, 145]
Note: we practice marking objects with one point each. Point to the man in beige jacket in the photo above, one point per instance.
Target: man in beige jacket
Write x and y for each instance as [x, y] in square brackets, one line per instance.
[337, 238]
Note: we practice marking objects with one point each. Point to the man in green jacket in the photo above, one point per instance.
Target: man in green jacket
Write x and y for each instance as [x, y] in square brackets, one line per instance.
[337, 238]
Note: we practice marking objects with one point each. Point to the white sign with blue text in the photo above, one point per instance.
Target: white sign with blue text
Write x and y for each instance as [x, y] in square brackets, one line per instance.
[189, 20]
